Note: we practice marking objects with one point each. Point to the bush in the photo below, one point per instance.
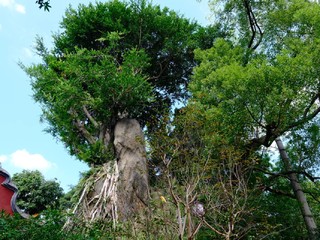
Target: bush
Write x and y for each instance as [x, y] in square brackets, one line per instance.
[49, 226]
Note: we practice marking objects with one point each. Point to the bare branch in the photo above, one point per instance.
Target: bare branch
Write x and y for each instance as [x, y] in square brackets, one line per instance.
[279, 192]
[89, 116]
[285, 174]
[80, 126]
[213, 229]
[253, 117]
[253, 25]
[84, 132]
[313, 100]
[273, 131]
[304, 119]
[162, 69]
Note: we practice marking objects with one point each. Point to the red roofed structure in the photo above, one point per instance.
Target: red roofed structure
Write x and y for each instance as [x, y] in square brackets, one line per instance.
[8, 195]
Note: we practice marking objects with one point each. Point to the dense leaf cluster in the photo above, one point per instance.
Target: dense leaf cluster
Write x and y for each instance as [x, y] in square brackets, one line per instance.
[35, 193]
[114, 60]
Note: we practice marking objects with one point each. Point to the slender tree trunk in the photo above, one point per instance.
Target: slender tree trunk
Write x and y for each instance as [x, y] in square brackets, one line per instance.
[298, 192]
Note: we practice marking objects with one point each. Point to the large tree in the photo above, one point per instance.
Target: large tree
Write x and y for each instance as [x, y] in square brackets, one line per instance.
[264, 86]
[115, 67]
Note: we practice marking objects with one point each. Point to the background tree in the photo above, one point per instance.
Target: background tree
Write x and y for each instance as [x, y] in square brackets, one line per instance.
[35, 192]
[253, 93]
[196, 170]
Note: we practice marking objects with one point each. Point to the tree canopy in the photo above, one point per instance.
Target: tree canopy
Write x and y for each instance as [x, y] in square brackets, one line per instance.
[36, 194]
[260, 86]
[113, 60]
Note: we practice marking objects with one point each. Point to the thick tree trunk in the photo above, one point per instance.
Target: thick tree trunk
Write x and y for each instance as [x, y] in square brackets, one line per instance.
[298, 192]
[120, 189]
[133, 187]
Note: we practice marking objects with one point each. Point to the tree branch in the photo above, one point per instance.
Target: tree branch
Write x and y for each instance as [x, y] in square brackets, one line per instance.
[273, 175]
[266, 140]
[284, 174]
[253, 25]
[273, 132]
[253, 117]
[162, 69]
[80, 126]
[313, 196]
[279, 192]
[308, 175]
[313, 100]
[89, 116]
[84, 132]
[304, 119]
[213, 229]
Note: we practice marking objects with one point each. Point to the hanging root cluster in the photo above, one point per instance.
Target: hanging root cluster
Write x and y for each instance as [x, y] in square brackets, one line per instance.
[98, 198]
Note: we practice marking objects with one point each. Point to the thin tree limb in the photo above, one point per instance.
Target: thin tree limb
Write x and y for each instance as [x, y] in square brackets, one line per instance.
[304, 119]
[89, 116]
[80, 126]
[313, 100]
[253, 25]
[279, 192]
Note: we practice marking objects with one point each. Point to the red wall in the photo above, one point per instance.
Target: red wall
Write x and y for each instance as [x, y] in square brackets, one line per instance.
[5, 197]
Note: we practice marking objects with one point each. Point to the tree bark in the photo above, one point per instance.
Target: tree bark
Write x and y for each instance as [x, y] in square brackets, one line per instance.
[120, 188]
[298, 192]
[133, 187]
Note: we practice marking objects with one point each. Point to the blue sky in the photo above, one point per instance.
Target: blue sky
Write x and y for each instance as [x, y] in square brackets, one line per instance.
[23, 143]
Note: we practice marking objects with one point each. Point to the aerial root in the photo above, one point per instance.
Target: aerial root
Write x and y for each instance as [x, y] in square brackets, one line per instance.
[98, 199]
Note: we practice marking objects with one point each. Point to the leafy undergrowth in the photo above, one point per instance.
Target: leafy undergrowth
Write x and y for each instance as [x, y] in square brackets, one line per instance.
[49, 226]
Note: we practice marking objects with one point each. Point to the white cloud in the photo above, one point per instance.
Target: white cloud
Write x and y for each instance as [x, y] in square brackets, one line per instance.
[0, 27]
[28, 56]
[20, 8]
[25, 160]
[6, 3]
[13, 5]
[3, 158]
[27, 52]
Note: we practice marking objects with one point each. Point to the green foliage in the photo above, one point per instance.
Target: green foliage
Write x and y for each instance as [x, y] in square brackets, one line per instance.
[49, 226]
[167, 38]
[113, 60]
[304, 144]
[44, 4]
[248, 94]
[252, 85]
[195, 164]
[90, 83]
[142, 26]
[259, 94]
[35, 193]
